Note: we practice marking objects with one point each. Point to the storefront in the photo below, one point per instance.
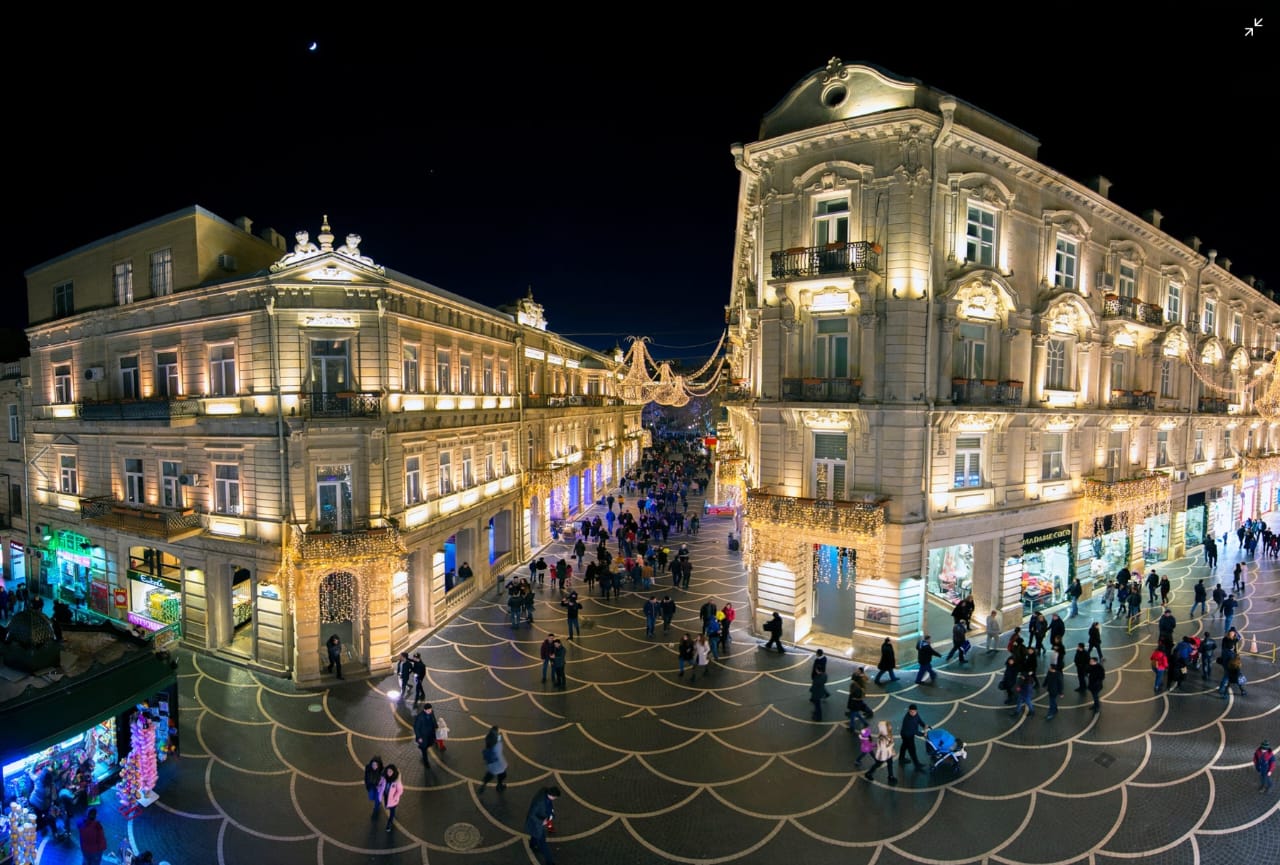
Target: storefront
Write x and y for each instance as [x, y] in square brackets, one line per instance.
[74, 573]
[17, 571]
[1195, 521]
[1222, 511]
[1047, 567]
[155, 589]
[1155, 538]
[951, 572]
[1107, 552]
[1248, 498]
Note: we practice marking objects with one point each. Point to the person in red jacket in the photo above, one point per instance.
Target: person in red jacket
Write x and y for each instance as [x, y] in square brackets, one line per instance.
[93, 840]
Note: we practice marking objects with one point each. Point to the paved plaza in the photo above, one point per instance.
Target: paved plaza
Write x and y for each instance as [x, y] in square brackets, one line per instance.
[729, 768]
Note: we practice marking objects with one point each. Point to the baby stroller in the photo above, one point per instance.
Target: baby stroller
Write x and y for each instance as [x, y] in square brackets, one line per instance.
[944, 748]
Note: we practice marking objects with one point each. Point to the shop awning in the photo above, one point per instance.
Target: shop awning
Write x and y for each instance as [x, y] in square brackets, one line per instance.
[58, 712]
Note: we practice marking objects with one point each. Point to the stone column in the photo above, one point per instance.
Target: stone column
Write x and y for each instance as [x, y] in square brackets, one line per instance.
[947, 333]
[867, 361]
[1104, 378]
[1039, 363]
[1084, 373]
[1020, 359]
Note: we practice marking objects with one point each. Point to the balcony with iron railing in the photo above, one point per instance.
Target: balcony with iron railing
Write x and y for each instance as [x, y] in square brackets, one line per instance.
[342, 404]
[821, 389]
[828, 259]
[576, 400]
[368, 542]
[1133, 399]
[1119, 306]
[168, 524]
[1214, 405]
[972, 391]
[162, 408]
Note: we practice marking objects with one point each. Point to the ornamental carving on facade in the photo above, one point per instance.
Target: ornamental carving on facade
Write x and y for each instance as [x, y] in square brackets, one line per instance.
[827, 420]
[304, 249]
[835, 69]
[980, 300]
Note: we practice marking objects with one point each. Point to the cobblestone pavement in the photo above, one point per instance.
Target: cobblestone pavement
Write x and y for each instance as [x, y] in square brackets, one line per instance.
[729, 768]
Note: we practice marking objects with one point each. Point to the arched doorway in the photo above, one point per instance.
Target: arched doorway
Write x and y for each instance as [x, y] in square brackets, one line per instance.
[338, 593]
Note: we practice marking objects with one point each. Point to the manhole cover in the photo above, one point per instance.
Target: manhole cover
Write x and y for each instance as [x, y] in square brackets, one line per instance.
[462, 836]
[1104, 760]
[315, 707]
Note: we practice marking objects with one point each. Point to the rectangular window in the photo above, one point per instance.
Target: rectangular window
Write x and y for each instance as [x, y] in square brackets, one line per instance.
[446, 473]
[444, 371]
[412, 480]
[1162, 447]
[1227, 445]
[162, 273]
[969, 462]
[1066, 263]
[62, 393]
[830, 464]
[409, 360]
[122, 282]
[1117, 371]
[980, 237]
[133, 481]
[226, 488]
[1210, 316]
[486, 373]
[334, 505]
[15, 500]
[1128, 283]
[1166, 378]
[170, 484]
[329, 366]
[506, 458]
[468, 477]
[464, 374]
[1199, 451]
[64, 300]
[1056, 365]
[1237, 329]
[1115, 449]
[1052, 464]
[831, 221]
[1173, 304]
[130, 386]
[831, 348]
[489, 473]
[167, 381]
[504, 377]
[70, 480]
[15, 424]
[222, 370]
[971, 360]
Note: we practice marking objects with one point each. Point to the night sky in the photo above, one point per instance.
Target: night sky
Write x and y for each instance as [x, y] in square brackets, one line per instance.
[587, 155]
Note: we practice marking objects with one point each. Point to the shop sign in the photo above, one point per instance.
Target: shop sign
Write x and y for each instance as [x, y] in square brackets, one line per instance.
[159, 582]
[135, 619]
[1046, 538]
[75, 558]
[120, 597]
[15, 547]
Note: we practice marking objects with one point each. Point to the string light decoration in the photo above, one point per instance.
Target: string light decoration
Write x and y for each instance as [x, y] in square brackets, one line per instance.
[731, 480]
[1204, 373]
[784, 527]
[367, 558]
[143, 739]
[540, 482]
[1257, 468]
[1128, 503]
[666, 387]
[129, 788]
[22, 834]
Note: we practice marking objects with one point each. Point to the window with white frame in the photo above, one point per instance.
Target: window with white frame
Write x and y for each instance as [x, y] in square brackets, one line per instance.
[464, 373]
[1237, 328]
[1115, 449]
[130, 385]
[170, 484]
[971, 360]
[412, 480]
[1127, 284]
[980, 236]
[529, 463]
[15, 423]
[162, 273]
[831, 348]
[489, 473]
[1056, 365]
[486, 376]
[1162, 447]
[444, 371]
[62, 392]
[468, 476]
[222, 370]
[1066, 262]
[122, 282]
[446, 473]
[64, 299]
[409, 361]
[1173, 303]
[534, 378]
[506, 458]
[1228, 446]
[830, 464]
[1166, 378]
[831, 221]
[504, 377]
[69, 478]
[133, 481]
[968, 462]
[1210, 316]
[1199, 446]
[1118, 362]
[1052, 461]
[330, 366]
[226, 488]
[168, 382]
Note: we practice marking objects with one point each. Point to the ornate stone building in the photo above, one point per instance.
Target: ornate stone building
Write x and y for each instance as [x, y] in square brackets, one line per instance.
[256, 447]
[958, 372]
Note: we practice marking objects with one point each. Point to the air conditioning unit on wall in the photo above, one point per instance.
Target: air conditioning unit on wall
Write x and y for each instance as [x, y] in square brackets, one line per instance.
[189, 480]
[94, 373]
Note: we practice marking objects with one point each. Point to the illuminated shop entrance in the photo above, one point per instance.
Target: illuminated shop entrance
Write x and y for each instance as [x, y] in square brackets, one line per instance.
[834, 571]
[338, 613]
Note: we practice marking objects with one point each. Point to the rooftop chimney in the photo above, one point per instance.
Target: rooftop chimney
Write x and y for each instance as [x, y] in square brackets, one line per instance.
[1193, 242]
[273, 237]
[246, 224]
[1100, 185]
[1153, 216]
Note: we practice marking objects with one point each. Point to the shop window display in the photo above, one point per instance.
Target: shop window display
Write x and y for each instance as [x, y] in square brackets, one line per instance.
[951, 572]
[1046, 573]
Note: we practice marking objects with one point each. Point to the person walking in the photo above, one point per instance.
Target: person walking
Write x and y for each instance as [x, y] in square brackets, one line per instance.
[959, 641]
[1159, 666]
[1153, 585]
[1009, 681]
[651, 608]
[495, 762]
[818, 693]
[542, 812]
[888, 661]
[713, 634]
[1165, 588]
[93, 838]
[883, 753]
[1201, 597]
[1074, 591]
[1097, 676]
[859, 712]
[404, 672]
[546, 651]
[572, 606]
[727, 616]
[1109, 596]
[1219, 595]
[1232, 674]
[334, 646]
[372, 775]
[925, 653]
[993, 632]
[668, 612]
[558, 658]
[1026, 690]
[701, 657]
[390, 789]
[1095, 640]
[1053, 687]
[1208, 645]
[912, 725]
[424, 732]
[685, 653]
[1228, 612]
[706, 613]
[1037, 629]
[774, 627]
[1264, 762]
[419, 676]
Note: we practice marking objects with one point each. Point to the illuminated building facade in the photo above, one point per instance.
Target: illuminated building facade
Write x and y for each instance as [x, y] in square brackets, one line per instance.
[957, 372]
[260, 445]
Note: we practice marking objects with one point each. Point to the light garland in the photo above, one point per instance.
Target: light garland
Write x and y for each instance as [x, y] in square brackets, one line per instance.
[1128, 502]
[367, 558]
[22, 834]
[781, 526]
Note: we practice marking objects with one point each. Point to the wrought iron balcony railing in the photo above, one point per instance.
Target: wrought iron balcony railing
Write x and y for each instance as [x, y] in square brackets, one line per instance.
[1116, 306]
[142, 409]
[146, 520]
[821, 389]
[830, 258]
[1213, 405]
[1133, 399]
[592, 400]
[972, 391]
[347, 404]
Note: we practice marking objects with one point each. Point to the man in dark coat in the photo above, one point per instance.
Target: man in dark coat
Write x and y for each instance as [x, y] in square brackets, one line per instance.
[542, 812]
[668, 612]
[1097, 675]
[334, 647]
[1082, 667]
[1053, 685]
[774, 627]
[959, 636]
[888, 661]
[925, 653]
[912, 726]
[424, 731]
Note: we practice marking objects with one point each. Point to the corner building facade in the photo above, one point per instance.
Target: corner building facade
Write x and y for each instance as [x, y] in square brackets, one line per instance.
[957, 372]
[255, 446]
